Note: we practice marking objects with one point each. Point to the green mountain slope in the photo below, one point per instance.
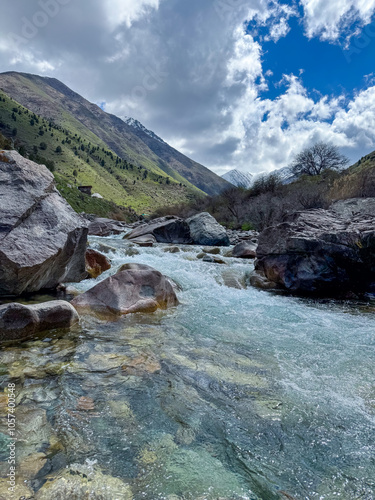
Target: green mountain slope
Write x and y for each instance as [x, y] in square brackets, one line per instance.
[54, 101]
[83, 159]
[200, 176]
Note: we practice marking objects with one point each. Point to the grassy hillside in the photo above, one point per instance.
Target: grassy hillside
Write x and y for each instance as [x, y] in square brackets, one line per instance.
[78, 157]
[54, 101]
[356, 181]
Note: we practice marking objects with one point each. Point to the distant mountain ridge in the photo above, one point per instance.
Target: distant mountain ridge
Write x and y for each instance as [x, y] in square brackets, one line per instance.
[129, 139]
[246, 179]
[239, 179]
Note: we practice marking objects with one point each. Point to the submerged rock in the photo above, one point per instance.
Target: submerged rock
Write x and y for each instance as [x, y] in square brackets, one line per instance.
[205, 230]
[18, 321]
[21, 491]
[233, 278]
[145, 363]
[320, 252]
[32, 465]
[131, 251]
[82, 482]
[212, 250]
[210, 258]
[165, 230]
[96, 263]
[175, 472]
[213, 259]
[42, 239]
[171, 250]
[134, 288]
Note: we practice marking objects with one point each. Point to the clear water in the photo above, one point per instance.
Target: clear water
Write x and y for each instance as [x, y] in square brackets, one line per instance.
[234, 394]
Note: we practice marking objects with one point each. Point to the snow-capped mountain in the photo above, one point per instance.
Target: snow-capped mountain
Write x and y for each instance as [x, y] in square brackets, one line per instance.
[285, 174]
[239, 179]
[246, 180]
[132, 122]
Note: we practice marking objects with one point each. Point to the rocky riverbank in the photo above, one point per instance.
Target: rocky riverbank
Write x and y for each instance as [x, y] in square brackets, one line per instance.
[321, 252]
[43, 244]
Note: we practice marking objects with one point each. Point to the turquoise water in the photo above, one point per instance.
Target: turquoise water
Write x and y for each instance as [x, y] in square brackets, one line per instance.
[234, 394]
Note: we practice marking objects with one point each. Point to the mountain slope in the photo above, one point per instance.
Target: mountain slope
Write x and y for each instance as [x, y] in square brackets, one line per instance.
[196, 174]
[79, 157]
[53, 100]
[239, 179]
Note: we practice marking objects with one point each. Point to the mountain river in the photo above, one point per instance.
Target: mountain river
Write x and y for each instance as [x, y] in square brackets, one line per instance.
[234, 394]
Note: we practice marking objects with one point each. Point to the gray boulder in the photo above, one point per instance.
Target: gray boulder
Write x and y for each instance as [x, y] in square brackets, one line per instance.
[135, 288]
[320, 252]
[245, 250]
[205, 230]
[42, 240]
[165, 230]
[18, 321]
[106, 227]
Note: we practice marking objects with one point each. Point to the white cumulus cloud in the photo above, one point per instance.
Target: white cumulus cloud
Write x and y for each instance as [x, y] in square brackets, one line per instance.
[328, 19]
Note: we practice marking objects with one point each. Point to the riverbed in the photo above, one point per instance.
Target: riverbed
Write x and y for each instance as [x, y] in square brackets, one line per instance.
[234, 394]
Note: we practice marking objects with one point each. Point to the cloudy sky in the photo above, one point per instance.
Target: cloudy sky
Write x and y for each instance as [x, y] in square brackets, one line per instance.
[240, 84]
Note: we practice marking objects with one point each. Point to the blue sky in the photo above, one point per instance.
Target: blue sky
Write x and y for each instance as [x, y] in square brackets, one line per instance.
[328, 68]
[240, 84]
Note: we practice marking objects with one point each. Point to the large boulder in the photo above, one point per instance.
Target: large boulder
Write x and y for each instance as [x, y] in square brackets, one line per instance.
[320, 252]
[42, 240]
[168, 229]
[135, 288]
[19, 321]
[106, 227]
[205, 230]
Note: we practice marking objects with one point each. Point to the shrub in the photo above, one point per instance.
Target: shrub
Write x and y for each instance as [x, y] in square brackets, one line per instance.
[247, 227]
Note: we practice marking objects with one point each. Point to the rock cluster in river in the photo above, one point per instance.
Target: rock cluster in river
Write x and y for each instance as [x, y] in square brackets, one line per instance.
[42, 239]
[322, 252]
[201, 229]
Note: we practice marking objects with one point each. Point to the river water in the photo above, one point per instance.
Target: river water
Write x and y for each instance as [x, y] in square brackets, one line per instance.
[235, 394]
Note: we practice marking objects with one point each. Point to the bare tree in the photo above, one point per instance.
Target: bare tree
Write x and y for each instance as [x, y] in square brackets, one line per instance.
[318, 158]
[233, 199]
